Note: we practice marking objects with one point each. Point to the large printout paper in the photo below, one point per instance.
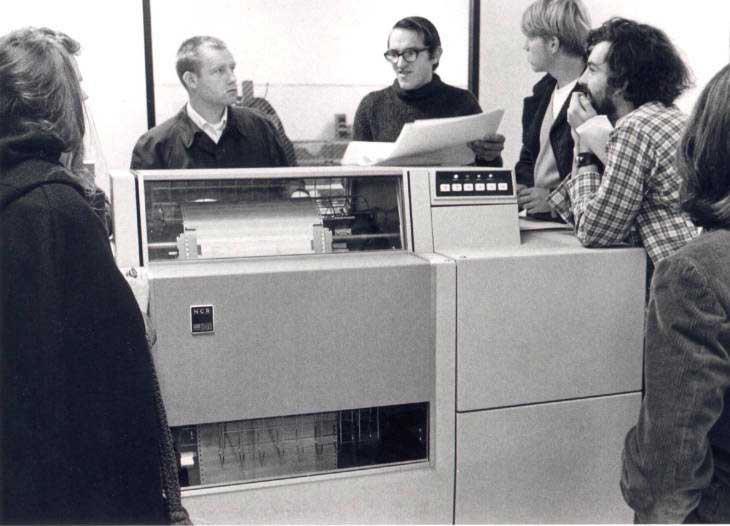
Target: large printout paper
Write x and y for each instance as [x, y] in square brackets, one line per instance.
[269, 228]
[429, 141]
[365, 153]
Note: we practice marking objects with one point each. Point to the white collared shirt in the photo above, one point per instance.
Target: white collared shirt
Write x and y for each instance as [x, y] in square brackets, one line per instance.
[214, 131]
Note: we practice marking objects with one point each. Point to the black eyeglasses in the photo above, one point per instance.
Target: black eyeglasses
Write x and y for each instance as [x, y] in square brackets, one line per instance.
[409, 54]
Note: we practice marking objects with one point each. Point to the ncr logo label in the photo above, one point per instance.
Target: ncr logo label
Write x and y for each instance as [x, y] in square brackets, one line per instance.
[201, 319]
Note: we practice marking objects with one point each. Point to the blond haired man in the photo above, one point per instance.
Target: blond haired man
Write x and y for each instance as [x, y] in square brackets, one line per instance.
[555, 32]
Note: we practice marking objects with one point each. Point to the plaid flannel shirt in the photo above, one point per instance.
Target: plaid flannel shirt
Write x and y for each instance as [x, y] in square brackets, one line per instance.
[636, 199]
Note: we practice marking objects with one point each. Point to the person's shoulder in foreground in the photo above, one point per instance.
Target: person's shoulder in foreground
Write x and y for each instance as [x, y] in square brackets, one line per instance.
[676, 460]
[76, 372]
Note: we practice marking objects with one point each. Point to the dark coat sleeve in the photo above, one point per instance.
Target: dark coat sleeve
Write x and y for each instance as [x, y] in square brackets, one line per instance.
[533, 111]
[147, 154]
[277, 149]
[561, 140]
[525, 167]
[79, 441]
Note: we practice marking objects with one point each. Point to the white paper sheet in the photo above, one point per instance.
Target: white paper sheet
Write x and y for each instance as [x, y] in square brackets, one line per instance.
[528, 223]
[428, 141]
[364, 153]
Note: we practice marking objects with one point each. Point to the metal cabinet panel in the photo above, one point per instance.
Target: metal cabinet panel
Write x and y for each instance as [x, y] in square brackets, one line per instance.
[546, 463]
[551, 324]
[406, 494]
[482, 227]
[298, 336]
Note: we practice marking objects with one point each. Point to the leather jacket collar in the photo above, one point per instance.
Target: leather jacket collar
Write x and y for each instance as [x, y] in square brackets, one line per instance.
[188, 129]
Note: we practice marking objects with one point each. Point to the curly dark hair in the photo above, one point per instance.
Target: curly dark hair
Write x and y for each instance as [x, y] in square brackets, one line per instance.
[643, 61]
[704, 156]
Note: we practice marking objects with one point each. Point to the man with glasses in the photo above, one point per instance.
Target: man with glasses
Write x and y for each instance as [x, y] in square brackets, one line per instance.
[414, 50]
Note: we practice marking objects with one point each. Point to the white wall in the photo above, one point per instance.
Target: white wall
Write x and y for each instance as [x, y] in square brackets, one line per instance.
[700, 29]
[308, 88]
[111, 62]
[311, 59]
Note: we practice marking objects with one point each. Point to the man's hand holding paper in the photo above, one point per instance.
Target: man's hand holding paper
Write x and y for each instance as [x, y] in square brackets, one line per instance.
[489, 147]
[423, 141]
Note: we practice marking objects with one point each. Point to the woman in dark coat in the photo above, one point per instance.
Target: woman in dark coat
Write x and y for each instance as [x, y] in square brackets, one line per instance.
[78, 439]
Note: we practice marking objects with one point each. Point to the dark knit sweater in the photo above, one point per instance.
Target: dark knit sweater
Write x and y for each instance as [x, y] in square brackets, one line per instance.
[382, 114]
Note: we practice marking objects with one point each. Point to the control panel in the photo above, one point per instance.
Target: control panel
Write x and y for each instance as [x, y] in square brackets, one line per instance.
[474, 183]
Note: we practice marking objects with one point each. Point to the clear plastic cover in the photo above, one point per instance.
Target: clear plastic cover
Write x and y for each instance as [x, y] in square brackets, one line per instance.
[280, 447]
[221, 218]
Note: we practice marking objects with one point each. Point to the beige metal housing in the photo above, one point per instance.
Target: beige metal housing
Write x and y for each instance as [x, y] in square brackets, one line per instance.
[526, 346]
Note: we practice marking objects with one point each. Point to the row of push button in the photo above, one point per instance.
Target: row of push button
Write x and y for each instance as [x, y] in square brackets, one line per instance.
[469, 187]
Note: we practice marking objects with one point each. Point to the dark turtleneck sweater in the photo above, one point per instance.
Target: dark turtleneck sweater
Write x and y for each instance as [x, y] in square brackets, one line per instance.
[382, 114]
